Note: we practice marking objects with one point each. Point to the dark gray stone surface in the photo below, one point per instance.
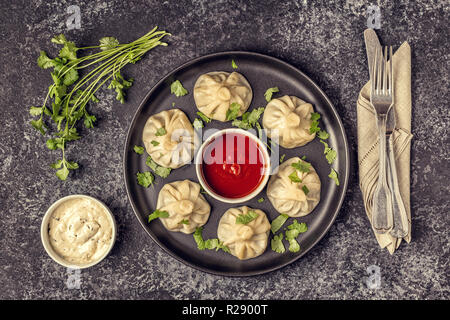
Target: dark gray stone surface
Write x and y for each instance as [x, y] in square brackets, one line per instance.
[323, 40]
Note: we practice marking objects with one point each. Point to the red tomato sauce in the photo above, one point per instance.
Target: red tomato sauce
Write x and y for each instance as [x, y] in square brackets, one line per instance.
[233, 165]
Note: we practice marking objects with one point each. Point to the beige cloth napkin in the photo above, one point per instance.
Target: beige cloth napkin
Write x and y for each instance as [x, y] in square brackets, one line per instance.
[368, 150]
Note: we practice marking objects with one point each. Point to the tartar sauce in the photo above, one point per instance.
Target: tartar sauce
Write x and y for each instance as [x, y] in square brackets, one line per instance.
[80, 231]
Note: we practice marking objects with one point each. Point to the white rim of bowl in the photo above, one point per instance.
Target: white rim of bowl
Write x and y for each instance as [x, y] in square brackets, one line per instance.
[199, 161]
[45, 236]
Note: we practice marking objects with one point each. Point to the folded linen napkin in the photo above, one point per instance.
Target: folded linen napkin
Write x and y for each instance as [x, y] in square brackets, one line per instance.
[368, 150]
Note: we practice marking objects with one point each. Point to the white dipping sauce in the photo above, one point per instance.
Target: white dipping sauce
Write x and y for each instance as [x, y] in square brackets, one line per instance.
[80, 231]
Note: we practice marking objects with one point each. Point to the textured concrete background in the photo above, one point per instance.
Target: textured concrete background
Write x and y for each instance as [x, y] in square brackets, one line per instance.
[323, 40]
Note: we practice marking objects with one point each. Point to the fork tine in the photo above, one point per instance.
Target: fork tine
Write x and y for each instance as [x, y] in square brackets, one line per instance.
[385, 72]
[391, 74]
[379, 69]
[373, 77]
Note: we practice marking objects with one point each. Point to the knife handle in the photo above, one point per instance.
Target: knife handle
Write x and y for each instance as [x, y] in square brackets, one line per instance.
[400, 228]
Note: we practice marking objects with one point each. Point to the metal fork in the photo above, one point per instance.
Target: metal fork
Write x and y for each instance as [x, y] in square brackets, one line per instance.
[381, 98]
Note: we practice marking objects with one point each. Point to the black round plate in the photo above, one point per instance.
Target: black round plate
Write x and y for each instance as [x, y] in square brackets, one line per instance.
[262, 72]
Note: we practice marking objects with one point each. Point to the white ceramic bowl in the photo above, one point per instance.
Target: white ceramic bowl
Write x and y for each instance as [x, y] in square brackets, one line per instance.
[199, 161]
[45, 236]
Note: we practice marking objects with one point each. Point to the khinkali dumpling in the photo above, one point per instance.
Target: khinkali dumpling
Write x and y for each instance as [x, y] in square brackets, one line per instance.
[245, 241]
[296, 199]
[290, 118]
[186, 206]
[214, 92]
[169, 138]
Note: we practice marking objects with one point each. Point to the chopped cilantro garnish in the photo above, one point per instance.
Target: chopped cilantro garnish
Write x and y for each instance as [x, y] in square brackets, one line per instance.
[158, 214]
[233, 64]
[260, 200]
[203, 117]
[233, 111]
[269, 92]
[334, 175]
[197, 124]
[323, 135]
[139, 149]
[145, 179]
[155, 143]
[294, 177]
[277, 243]
[160, 132]
[184, 221]
[177, 89]
[208, 244]
[305, 190]
[246, 218]
[157, 169]
[301, 166]
[278, 222]
[294, 246]
[282, 157]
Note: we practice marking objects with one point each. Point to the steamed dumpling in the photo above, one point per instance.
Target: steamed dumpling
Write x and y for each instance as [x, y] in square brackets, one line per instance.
[214, 92]
[290, 118]
[245, 241]
[291, 197]
[169, 138]
[186, 206]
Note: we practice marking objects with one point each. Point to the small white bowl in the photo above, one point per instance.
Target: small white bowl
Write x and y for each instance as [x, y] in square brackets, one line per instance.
[45, 236]
[199, 161]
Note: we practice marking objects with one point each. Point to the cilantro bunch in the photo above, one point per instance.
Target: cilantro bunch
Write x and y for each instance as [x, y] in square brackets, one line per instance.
[69, 94]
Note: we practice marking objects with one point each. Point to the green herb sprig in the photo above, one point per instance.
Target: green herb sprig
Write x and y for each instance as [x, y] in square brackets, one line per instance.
[67, 98]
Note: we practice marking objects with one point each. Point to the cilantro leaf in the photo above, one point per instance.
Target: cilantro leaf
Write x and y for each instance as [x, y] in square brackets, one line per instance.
[246, 218]
[89, 120]
[301, 166]
[145, 179]
[269, 92]
[305, 190]
[203, 117]
[197, 124]
[157, 169]
[294, 246]
[216, 244]
[277, 244]
[299, 227]
[294, 177]
[62, 173]
[107, 43]
[184, 221]
[260, 200]
[282, 158]
[44, 61]
[160, 132]
[315, 116]
[241, 124]
[198, 237]
[154, 143]
[323, 135]
[331, 156]
[334, 175]
[233, 111]
[278, 222]
[157, 214]
[36, 111]
[254, 115]
[139, 149]
[70, 77]
[177, 89]
[233, 64]
[39, 125]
